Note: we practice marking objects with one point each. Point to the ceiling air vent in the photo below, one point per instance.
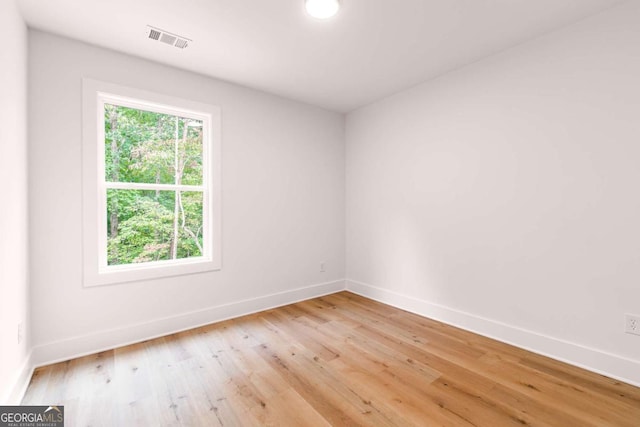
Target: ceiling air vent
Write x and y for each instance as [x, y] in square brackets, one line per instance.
[167, 37]
[181, 43]
[154, 34]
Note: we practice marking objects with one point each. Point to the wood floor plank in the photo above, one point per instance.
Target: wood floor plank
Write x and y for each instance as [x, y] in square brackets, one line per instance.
[338, 360]
[555, 392]
[599, 384]
[135, 394]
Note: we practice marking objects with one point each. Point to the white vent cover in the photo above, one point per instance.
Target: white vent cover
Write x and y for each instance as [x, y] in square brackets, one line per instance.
[167, 37]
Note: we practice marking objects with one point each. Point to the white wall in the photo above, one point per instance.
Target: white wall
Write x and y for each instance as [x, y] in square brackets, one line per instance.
[505, 196]
[13, 214]
[283, 204]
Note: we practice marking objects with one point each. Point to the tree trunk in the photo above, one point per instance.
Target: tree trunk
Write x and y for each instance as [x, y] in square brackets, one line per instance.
[187, 230]
[177, 200]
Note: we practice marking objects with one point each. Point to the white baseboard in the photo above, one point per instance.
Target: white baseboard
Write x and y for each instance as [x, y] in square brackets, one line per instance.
[71, 348]
[20, 383]
[611, 365]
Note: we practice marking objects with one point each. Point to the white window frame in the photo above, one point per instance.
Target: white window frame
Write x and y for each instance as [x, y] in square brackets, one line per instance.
[96, 272]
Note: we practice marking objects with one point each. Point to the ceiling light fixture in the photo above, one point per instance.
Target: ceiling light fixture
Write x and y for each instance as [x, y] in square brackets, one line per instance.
[322, 9]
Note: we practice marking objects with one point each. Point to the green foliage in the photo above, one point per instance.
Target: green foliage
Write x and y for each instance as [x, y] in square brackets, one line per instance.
[140, 147]
[146, 232]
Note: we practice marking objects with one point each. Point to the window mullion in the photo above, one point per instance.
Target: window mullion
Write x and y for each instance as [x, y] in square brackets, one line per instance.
[159, 187]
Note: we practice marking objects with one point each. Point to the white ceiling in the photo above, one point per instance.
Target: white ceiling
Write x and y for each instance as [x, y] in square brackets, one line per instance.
[371, 49]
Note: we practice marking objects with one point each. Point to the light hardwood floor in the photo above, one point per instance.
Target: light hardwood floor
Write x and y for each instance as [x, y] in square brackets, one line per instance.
[337, 360]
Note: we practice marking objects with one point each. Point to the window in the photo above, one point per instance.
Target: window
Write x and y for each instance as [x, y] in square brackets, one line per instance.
[151, 185]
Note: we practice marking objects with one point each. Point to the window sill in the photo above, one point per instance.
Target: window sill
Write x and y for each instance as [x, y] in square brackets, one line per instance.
[148, 271]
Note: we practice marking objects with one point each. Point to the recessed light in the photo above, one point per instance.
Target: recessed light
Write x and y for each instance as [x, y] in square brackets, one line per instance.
[322, 9]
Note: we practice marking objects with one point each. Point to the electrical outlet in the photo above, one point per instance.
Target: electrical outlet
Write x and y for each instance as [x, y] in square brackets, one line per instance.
[632, 325]
[20, 332]
[322, 269]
